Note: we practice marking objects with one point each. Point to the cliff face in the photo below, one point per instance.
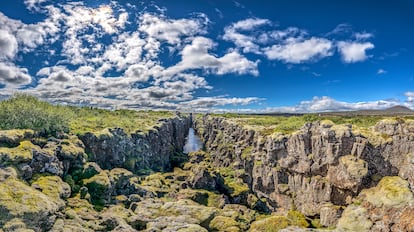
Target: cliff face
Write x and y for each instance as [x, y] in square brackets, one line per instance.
[60, 184]
[317, 170]
[138, 152]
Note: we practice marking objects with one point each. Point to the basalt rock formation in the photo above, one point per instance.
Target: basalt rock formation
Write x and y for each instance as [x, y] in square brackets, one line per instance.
[321, 177]
[327, 172]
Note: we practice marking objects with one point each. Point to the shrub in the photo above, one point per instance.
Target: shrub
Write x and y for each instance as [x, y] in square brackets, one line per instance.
[26, 112]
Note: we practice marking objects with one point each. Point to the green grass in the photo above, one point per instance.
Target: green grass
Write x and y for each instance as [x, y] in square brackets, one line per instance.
[95, 120]
[27, 112]
[287, 124]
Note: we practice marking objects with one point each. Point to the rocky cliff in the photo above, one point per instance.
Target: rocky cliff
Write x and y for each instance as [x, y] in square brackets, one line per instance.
[321, 169]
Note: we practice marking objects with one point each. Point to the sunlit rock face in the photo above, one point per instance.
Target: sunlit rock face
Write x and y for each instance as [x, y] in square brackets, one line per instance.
[193, 142]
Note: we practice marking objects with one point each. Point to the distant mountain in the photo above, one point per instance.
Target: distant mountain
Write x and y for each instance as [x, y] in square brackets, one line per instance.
[399, 109]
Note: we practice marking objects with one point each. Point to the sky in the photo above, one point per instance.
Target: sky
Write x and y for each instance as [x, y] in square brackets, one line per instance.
[210, 55]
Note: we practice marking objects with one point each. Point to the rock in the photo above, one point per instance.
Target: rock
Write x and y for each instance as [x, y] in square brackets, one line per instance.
[354, 218]
[34, 208]
[16, 225]
[349, 173]
[90, 169]
[17, 155]
[46, 161]
[100, 188]
[14, 137]
[202, 179]
[221, 223]
[273, 223]
[391, 191]
[54, 188]
[116, 217]
[330, 214]
[139, 152]
[201, 214]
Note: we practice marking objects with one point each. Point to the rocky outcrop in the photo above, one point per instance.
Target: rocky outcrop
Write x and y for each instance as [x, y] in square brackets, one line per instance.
[317, 170]
[141, 151]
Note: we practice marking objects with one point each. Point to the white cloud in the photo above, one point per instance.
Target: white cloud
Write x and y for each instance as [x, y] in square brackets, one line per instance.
[381, 71]
[8, 45]
[33, 4]
[362, 35]
[354, 51]
[246, 42]
[300, 51]
[196, 56]
[410, 96]
[13, 76]
[170, 30]
[326, 104]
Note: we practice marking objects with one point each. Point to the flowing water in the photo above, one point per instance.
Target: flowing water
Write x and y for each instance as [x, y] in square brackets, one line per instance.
[193, 142]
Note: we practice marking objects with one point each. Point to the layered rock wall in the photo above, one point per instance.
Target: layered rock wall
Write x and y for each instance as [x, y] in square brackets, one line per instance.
[318, 169]
[140, 151]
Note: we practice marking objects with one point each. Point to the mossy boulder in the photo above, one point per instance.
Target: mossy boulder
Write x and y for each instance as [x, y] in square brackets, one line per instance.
[270, 224]
[221, 223]
[19, 154]
[100, 188]
[53, 187]
[349, 173]
[202, 214]
[14, 137]
[354, 218]
[18, 200]
[16, 225]
[391, 191]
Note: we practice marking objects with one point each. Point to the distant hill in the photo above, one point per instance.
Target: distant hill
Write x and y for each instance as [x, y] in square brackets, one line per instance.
[392, 111]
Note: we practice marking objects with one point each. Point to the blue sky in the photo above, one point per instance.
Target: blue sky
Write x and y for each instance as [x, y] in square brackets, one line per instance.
[243, 56]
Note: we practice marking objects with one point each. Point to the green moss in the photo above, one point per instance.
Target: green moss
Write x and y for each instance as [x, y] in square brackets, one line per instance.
[296, 218]
[354, 218]
[247, 152]
[221, 223]
[19, 200]
[356, 168]
[391, 191]
[19, 154]
[270, 224]
[99, 188]
[53, 187]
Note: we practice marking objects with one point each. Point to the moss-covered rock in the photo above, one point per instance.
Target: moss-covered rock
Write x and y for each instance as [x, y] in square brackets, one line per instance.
[54, 188]
[100, 188]
[270, 224]
[19, 154]
[17, 200]
[221, 223]
[16, 225]
[202, 214]
[14, 137]
[391, 191]
[354, 218]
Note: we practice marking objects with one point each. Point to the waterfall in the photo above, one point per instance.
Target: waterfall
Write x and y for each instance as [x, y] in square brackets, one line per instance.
[193, 142]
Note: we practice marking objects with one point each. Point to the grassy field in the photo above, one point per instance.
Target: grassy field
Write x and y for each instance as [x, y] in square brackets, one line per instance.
[26, 112]
[288, 124]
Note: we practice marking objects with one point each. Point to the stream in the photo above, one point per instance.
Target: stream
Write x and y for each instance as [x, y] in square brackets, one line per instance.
[193, 142]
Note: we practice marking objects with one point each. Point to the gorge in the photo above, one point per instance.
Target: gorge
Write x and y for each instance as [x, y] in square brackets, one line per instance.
[235, 177]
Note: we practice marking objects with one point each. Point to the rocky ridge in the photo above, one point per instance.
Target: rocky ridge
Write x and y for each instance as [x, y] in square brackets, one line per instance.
[328, 172]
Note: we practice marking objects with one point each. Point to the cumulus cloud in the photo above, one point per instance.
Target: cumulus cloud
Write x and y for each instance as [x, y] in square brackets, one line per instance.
[12, 76]
[8, 45]
[196, 56]
[326, 104]
[352, 52]
[300, 51]
[235, 34]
